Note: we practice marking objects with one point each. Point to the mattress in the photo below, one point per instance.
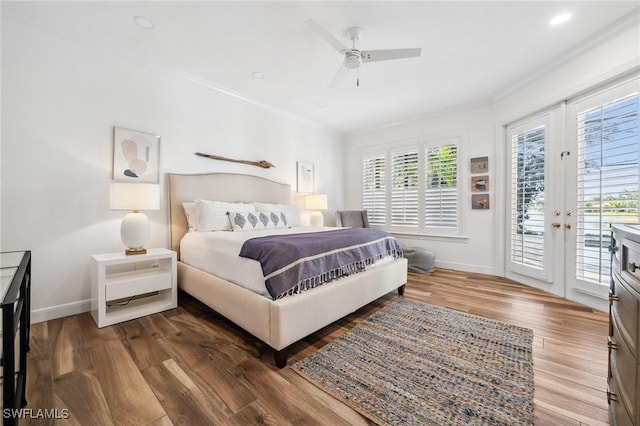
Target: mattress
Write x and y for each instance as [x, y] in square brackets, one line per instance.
[218, 253]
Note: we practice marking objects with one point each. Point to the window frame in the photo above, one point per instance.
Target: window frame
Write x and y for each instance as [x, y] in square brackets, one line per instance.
[422, 144]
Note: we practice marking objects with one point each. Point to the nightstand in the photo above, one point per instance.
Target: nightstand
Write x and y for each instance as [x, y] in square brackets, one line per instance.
[127, 287]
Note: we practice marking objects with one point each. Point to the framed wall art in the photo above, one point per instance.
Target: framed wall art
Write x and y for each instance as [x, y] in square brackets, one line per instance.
[136, 156]
[305, 177]
[480, 165]
[480, 183]
[480, 202]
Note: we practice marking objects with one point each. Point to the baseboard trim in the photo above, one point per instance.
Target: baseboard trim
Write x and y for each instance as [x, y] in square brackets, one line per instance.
[465, 267]
[54, 312]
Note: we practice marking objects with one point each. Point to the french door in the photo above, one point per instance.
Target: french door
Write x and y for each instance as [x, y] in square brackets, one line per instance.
[574, 170]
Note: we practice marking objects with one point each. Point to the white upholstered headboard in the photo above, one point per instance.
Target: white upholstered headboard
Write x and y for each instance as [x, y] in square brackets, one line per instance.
[228, 187]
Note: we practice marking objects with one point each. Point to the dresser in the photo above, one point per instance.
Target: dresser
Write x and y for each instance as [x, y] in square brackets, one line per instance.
[15, 301]
[623, 393]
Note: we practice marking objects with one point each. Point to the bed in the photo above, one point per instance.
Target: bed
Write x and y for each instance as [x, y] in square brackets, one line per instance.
[281, 322]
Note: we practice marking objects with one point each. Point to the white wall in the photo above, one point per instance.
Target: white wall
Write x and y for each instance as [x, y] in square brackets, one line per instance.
[476, 251]
[61, 98]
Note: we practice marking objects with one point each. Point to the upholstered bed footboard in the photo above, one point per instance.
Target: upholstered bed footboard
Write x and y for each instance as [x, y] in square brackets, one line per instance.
[283, 322]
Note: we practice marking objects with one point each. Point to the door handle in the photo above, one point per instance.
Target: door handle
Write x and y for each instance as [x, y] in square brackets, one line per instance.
[567, 226]
[556, 224]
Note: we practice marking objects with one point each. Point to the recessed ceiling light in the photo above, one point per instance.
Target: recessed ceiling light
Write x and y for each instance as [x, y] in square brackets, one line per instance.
[143, 22]
[257, 75]
[559, 19]
[321, 104]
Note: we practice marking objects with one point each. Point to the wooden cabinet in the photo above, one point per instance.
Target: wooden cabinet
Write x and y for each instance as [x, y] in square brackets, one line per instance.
[623, 393]
[15, 304]
[127, 287]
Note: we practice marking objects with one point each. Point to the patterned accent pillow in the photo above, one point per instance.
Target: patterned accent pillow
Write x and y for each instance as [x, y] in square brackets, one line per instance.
[252, 221]
[290, 211]
[212, 215]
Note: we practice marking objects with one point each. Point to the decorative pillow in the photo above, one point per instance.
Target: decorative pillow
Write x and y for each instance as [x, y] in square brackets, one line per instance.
[190, 212]
[290, 211]
[252, 221]
[212, 215]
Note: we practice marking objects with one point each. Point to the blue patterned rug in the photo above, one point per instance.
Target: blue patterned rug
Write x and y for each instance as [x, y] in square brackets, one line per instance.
[411, 363]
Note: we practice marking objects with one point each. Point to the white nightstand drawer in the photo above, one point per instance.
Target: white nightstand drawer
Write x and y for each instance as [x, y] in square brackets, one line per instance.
[119, 286]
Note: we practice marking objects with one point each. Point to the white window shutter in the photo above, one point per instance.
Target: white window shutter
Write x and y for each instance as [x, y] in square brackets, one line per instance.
[441, 186]
[404, 189]
[374, 188]
[527, 197]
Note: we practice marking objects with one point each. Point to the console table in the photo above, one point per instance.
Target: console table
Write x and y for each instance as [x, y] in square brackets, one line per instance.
[15, 296]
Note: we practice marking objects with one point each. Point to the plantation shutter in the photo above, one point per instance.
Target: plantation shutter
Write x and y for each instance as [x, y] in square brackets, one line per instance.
[527, 197]
[608, 176]
[404, 188]
[413, 188]
[441, 186]
[374, 188]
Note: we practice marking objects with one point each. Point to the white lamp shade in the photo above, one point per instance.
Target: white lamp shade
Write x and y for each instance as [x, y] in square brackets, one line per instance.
[316, 202]
[134, 196]
[135, 230]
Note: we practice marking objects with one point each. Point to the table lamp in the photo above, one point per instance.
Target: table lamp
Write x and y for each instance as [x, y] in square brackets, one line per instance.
[316, 202]
[135, 228]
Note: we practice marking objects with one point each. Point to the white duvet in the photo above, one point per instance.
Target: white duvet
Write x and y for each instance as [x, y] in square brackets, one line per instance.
[217, 253]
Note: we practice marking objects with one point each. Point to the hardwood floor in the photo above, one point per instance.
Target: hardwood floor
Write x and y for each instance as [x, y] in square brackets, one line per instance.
[191, 366]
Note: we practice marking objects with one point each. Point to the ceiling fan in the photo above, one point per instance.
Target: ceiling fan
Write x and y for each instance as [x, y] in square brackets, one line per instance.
[353, 57]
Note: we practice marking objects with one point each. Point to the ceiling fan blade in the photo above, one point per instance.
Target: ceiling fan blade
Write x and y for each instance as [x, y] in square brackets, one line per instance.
[341, 48]
[385, 55]
[340, 76]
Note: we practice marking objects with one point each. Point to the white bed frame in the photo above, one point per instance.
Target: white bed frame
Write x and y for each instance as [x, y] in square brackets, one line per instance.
[278, 323]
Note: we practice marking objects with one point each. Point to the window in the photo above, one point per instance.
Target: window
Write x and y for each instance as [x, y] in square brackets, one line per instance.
[374, 187]
[404, 189]
[441, 186]
[608, 179]
[527, 196]
[420, 192]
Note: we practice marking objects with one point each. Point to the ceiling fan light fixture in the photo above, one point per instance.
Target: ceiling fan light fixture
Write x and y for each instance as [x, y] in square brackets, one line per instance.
[352, 61]
[354, 57]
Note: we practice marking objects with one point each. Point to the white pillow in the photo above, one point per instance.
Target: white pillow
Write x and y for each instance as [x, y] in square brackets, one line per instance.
[190, 212]
[212, 215]
[252, 221]
[290, 210]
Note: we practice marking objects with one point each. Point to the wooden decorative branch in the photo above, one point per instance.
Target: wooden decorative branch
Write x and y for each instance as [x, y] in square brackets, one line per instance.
[262, 163]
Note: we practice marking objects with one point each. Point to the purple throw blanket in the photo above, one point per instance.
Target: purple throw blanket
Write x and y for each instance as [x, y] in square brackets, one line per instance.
[297, 262]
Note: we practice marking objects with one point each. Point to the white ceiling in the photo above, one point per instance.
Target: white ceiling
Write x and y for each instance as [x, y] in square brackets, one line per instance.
[471, 51]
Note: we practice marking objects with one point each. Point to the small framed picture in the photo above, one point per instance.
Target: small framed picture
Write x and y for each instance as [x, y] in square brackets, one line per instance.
[480, 165]
[480, 183]
[480, 202]
[305, 177]
[136, 156]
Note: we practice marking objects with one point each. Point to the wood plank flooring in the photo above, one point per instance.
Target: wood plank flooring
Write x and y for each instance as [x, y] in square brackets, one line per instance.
[191, 366]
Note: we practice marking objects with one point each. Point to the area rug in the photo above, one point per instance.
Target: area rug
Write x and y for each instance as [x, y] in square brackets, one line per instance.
[413, 363]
